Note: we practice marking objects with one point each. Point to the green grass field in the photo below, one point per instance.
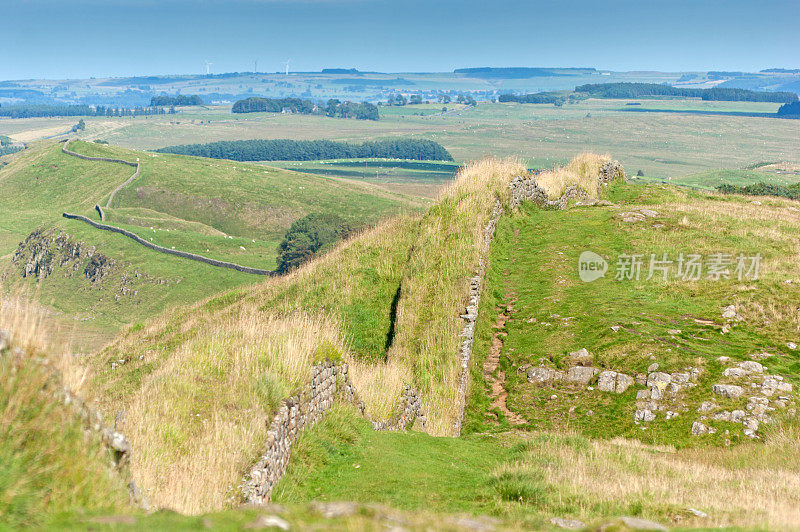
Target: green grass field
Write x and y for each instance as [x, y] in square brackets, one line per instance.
[534, 280]
[661, 144]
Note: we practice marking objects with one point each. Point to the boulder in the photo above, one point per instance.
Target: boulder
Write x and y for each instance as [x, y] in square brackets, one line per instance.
[581, 374]
[644, 415]
[637, 523]
[737, 416]
[699, 428]
[707, 406]
[728, 390]
[569, 524]
[734, 373]
[624, 382]
[542, 375]
[751, 366]
[581, 357]
[607, 381]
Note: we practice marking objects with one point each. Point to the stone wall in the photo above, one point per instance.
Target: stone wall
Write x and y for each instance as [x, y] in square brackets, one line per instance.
[116, 443]
[470, 317]
[527, 189]
[329, 382]
[65, 149]
[154, 247]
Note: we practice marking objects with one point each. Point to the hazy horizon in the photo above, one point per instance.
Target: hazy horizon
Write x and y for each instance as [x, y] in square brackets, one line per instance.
[89, 38]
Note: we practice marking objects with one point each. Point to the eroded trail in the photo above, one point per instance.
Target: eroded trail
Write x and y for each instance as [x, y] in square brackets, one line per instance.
[492, 373]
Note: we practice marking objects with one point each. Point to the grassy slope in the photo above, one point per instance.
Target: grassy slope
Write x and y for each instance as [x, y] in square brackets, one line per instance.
[49, 465]
[524, 479]
[258, 343]
[712, 178]
[243, 199]
[534, 269]
[568, 464]
[43, 182]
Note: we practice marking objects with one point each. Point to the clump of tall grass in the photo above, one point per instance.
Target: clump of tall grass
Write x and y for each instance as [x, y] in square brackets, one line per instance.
[48, 465]
[583, 171]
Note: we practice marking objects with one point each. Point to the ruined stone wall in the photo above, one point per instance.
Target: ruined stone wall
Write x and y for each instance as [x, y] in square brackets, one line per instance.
[470, 317]
[527, 189]
[329, 382]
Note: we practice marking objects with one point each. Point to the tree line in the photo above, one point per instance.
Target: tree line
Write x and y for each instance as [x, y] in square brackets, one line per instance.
[763, 189]
[556, 98]
[172, 101]
[644, 90]
[312, 150]
[333, 108]
[45, 110]
[789, 110]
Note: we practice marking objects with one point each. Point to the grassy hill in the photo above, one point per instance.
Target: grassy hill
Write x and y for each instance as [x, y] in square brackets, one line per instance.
[369, 301]
[198, 383]
[227, 211]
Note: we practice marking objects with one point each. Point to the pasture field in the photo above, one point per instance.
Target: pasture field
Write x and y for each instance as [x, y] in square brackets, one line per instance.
[662, 145]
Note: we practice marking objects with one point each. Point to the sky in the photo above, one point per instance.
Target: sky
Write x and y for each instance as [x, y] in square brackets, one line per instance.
[58, 39]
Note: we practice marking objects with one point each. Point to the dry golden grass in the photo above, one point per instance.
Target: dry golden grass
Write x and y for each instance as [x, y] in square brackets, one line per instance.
[199, 420]
[582, 171]
[753, 485]
[49, 463]
[436, 285]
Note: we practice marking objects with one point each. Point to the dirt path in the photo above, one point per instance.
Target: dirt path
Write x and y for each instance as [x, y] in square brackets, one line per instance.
[499, 395]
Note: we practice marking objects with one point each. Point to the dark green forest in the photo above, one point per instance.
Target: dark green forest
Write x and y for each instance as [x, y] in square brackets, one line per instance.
[543, 97]
[45, 110]
[333, 108]
[763, 189]
[645, 90]
[789, 110]
[313, 150]
[179, 99]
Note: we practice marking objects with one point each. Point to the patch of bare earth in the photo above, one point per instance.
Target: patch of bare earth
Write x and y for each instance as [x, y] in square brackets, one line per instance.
[495, 376]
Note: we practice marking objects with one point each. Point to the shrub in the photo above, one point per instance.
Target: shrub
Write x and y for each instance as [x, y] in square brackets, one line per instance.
[309, 236]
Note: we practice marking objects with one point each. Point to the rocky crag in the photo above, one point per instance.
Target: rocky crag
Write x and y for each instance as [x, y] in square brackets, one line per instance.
[49, 252]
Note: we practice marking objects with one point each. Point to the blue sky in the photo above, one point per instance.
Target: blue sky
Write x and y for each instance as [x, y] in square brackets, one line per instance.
[84, 38]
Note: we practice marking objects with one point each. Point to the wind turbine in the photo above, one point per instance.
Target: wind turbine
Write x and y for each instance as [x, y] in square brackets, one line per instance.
[287, 66]
[208, 68]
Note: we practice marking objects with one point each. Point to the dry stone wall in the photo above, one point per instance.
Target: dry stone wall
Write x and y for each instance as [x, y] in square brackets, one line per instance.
[137, 238]
[330, 382]
[65, 149]
[178, 253]
[527, 189]
[470, 317]
[116, 443]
